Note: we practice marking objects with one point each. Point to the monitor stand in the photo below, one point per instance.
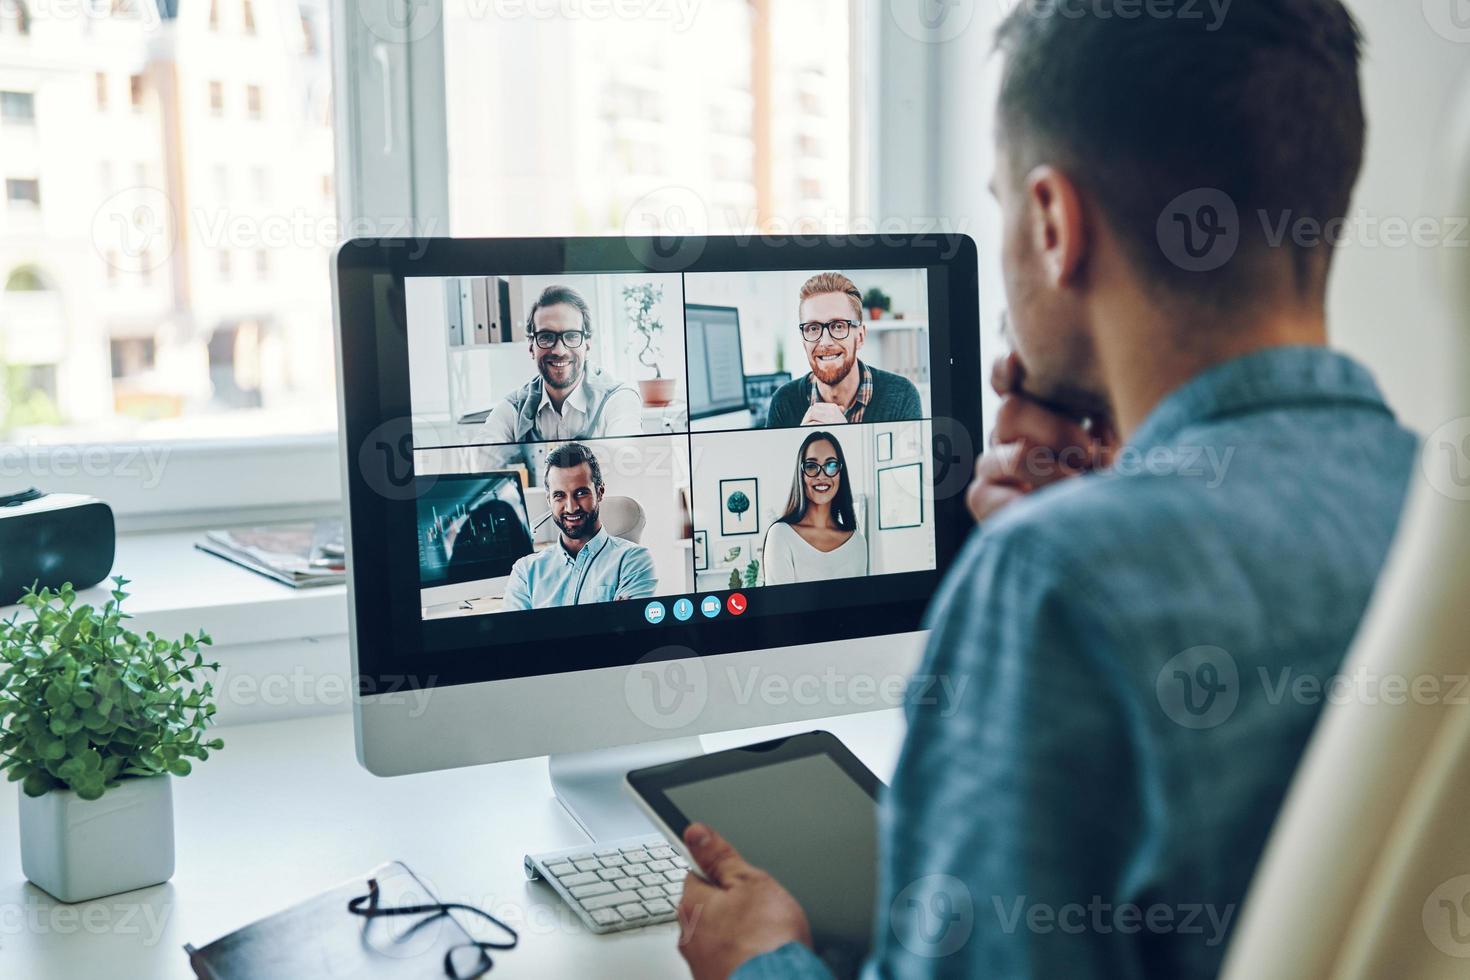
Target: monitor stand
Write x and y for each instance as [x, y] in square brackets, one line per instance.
[590, 784]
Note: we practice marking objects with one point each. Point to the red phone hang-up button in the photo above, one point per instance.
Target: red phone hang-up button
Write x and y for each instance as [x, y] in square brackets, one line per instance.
[736, 603]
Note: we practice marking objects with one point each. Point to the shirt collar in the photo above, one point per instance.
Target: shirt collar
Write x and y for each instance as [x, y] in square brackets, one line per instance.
[576, 400]
[593, 546]
[1273, 378]
[864, 392]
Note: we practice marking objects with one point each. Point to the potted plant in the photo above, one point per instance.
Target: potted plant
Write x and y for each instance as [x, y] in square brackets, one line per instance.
[639, 300]
[94, 721]
[877, 302]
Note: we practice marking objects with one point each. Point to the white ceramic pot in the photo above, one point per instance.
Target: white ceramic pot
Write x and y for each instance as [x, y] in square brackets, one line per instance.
[76, 849]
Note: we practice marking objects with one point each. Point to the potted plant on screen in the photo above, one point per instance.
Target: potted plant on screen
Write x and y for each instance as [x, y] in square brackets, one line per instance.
[640, 300]
[877, 302]
[94, 722]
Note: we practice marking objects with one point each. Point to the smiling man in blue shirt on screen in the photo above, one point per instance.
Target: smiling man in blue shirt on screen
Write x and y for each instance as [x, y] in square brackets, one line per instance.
[586, 564]
[1145, 589]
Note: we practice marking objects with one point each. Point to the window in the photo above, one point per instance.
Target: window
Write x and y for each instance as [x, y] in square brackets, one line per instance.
[214, 15]
[252, 101]
[262, 264]
[22, 192]
[260, 182]
[247, 11]
[135, 92]
[222, 183]
[216, 98]
[101, 82]
[658, 120]
[15, 17]
[17, 107]
[222, 263]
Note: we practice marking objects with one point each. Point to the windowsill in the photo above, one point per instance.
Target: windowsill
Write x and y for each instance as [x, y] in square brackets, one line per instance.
[174, 588]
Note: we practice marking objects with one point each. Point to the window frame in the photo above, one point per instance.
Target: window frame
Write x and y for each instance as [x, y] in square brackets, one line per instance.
[391, 178]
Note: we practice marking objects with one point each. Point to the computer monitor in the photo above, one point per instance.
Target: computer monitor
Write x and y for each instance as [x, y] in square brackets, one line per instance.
[670, 572]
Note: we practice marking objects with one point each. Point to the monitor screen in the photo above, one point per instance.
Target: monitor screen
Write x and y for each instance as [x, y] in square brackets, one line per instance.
[715, 459]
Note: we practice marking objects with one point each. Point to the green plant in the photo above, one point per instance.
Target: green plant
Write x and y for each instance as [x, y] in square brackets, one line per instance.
[752, 573]
[639, 301]
[738, 504]
[86, 703]
[734, 578]
[876, 299]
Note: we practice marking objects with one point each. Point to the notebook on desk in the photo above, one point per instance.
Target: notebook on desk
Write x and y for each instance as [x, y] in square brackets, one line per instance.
[321, 938]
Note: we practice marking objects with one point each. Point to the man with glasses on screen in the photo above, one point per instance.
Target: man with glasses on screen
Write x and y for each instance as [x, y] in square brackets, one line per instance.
[840, 387]
[567, 399]
[586, 564]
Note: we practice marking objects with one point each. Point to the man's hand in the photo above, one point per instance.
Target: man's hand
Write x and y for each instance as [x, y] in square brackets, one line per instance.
[1033, 444]
[824, 413]
[739, 913]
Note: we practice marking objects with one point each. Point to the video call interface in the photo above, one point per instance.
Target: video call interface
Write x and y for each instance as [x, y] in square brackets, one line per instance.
[680, 442]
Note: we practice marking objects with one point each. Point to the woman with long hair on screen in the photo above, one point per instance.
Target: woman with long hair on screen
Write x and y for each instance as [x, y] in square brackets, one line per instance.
[818, 537]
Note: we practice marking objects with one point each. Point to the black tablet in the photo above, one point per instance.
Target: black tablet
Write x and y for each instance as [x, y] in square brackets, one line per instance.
[803, 808]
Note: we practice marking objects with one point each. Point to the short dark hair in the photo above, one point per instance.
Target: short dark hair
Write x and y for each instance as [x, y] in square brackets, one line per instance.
[1262, 104]
[555, 295]
[572, 454]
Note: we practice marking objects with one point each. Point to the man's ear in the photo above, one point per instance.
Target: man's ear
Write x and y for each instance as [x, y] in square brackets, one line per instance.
[1059, 230]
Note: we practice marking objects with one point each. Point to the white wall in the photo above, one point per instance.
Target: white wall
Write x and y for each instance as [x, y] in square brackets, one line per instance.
[1384, 305]
[769, 455]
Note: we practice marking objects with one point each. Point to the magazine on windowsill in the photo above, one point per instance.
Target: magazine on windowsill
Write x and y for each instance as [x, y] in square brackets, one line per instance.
[299, 555]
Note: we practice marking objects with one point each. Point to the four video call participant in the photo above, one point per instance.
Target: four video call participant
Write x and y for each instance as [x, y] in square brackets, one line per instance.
[587, 565]
[567, 399]
[840, 388]
[818, 537]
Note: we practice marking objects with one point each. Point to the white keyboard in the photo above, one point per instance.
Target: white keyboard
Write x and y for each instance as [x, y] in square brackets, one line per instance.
[615, 885]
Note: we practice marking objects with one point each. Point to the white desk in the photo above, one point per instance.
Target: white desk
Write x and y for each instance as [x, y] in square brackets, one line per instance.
[284, 811]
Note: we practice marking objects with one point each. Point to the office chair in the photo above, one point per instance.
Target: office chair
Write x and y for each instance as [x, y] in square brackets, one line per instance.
[1367, 873]
[622, 517]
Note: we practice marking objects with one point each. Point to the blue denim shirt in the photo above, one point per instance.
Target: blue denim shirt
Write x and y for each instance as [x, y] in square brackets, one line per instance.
[1148, 650]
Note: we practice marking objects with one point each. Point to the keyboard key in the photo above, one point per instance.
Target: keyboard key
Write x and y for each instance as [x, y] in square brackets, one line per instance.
[653, 879]
[674, 875]
[596, 888]
[674, 889]
[637, 857]
[580, 878]
[661, 853]
[604, 901]
[574, 858]
[628, 884]
[613, 861]
[648, 892]
[606, 852]
[590, 864]
[658, 906]
[633, 911]
[611, 874]
[680, 862]
[606, 917]
[660, 866]
[635, 869]
[557, 870]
